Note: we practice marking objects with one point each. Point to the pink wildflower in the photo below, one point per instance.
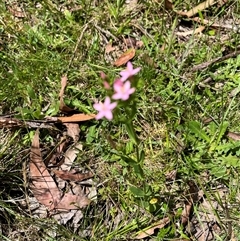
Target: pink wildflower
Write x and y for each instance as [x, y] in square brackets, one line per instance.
[103, 75]
[105, 109]
[105, 80]
[106, 85]
[122, 90]
[128, 72]
[117, 82]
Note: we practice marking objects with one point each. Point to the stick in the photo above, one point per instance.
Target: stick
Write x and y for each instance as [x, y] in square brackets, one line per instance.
[216, 60]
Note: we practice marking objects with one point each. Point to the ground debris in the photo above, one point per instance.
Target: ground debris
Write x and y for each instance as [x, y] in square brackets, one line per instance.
[62, 206]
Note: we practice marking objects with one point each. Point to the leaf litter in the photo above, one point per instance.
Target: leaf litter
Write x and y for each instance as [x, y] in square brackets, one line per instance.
[125, 57]
[63, 107]
[49, 191]
[69, 176]
[44, 187]
[150, 231]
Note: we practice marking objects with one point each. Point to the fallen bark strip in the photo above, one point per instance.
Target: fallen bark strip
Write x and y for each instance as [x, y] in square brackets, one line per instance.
[48, 123]
[13, 122]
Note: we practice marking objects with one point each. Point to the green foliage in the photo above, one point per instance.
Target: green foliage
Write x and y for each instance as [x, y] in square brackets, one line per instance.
[210, 143]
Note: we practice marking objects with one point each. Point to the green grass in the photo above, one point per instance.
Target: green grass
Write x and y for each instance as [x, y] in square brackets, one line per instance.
[69, 37]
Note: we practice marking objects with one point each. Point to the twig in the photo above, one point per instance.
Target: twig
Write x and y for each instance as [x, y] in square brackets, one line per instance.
[207, 80]
[13, 122]
[216, 60]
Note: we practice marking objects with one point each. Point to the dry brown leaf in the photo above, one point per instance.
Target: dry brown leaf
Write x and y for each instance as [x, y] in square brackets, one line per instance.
[64, 80]
[73, 130]
[191, 32]
[69, 176]
[70, 156]
[186, 213]
[199, 7]
[43, 186]
[109, 48]
[76, 118]
[193, 197]
[163, 47]
[234, 136]
[125, 57]
[54, 158]
[131, 42]
[64, 108]
[70, 201]
[150, 231]
[171, 176]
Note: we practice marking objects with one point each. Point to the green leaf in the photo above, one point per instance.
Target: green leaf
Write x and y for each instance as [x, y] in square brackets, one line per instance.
[223, 129]
[91, 135]
[141, 156]
[127, 159]
[31, 92]
[230, 161]
[136, 166]
[53, 110]
[138, 171]
[196, 128]
[218, 171]
[137, 192]
[129, 147]
[131, 132]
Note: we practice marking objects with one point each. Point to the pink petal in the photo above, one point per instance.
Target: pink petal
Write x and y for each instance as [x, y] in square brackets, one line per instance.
[117, 88]
[103, 75]
[109, 115]
[129, 66]
[117, 96]
[112, 105]
[100, 115]
[124, 78]
[106, 85]
[125, 97]
[118, 82]
[127, 85]
[135, 71]
[107, 101]
[132, 90]
[125, 75]
[98, 106]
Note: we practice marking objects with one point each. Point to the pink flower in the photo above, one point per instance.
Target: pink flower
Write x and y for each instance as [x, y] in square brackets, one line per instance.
[106, 85]
[122, 90]
[128, 72]
[105, 109]
[103, 75]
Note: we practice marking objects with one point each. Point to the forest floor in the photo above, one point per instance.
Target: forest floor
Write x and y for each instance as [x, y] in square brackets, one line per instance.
[166, 167]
